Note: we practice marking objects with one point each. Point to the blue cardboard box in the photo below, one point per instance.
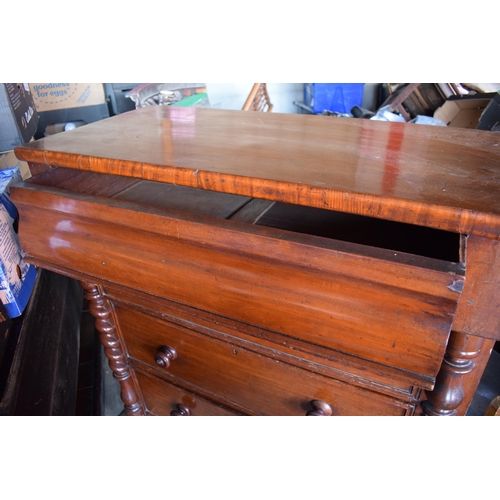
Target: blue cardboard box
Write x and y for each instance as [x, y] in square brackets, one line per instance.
[17, 277]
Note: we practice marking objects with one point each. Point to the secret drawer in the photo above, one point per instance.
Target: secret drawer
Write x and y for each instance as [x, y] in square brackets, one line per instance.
[163, 398]
[237, 376]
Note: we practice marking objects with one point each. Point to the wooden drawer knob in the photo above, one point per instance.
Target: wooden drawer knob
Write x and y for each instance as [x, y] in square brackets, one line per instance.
[182, 411]
[320, 409]
[164, 355]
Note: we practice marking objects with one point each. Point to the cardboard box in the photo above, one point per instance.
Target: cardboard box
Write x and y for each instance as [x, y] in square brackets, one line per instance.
[17, 277]
[18, 115]
[52, 96]
[9, 160]
[479, 111]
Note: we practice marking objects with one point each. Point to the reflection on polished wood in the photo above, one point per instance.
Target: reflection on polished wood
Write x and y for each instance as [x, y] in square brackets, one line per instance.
[268, 264]
[441, 177]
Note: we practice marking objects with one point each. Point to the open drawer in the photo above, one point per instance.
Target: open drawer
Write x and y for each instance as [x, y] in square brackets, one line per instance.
[386, 306]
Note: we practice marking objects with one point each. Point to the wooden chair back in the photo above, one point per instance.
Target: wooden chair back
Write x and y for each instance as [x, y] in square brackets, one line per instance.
[258, 99]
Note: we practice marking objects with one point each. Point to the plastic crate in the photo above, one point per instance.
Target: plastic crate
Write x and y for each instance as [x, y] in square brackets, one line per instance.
[333, 97]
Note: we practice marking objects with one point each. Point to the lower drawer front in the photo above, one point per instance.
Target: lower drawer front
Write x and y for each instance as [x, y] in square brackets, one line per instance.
[163, 399]
[236, 375]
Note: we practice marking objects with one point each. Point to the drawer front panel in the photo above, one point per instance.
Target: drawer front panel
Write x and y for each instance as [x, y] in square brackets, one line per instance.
[163, 398]
[387, 312]
[247, 379]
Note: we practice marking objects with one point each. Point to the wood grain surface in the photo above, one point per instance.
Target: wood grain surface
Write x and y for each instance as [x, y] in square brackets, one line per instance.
[114, 206]
[446, 178]
[307, 287]
[258, 383]
[163, 398]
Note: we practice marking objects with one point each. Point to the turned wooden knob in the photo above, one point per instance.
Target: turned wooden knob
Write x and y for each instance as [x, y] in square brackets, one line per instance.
[164, 355]
[182, 411]
[320, 409]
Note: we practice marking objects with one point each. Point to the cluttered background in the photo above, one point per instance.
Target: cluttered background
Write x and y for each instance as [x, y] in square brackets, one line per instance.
[31, 111]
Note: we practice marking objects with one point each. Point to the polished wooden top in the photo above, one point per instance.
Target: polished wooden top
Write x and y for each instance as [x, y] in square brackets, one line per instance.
[441, 177]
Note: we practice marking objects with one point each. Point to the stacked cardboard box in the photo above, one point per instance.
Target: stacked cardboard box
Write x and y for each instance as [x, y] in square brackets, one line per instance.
[479, 111]
[18, 115]
[61, 103]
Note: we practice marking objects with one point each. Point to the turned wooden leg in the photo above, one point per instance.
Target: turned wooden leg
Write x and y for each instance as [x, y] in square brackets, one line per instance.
[458, 362]
[101, 310]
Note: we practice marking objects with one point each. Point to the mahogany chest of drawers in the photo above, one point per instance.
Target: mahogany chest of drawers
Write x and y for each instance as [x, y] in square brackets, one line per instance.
[242, 263]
